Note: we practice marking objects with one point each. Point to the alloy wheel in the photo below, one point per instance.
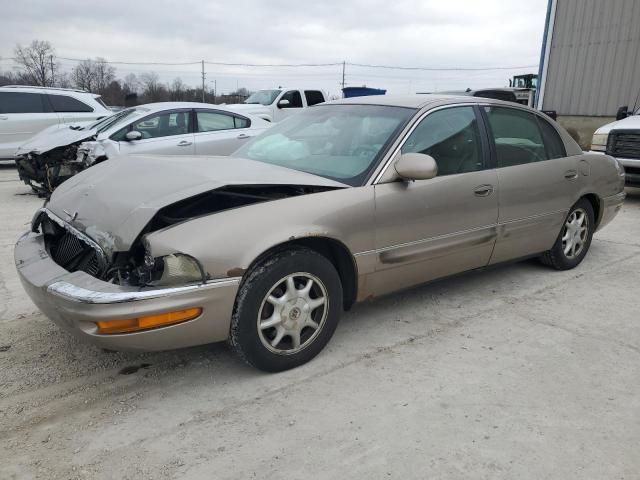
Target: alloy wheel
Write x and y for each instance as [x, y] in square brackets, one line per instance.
[293, 313]
[574, 233]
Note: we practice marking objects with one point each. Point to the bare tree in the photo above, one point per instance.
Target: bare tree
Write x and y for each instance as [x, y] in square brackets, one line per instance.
[36, 63]
[177, 90]
[93, 75]
[105, 74]
[152, 89]
[131, 84]
[83, 75]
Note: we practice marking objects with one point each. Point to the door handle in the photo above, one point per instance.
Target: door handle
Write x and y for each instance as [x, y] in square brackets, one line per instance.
[571, 174]
[483, 190]
[184, 143]
[242, 136]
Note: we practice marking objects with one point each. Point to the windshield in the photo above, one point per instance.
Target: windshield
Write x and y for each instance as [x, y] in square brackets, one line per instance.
[340, 142]
[263, 97]
[104, 123]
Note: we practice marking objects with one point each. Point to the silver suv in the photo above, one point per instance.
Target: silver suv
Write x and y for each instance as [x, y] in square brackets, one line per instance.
[25, 111]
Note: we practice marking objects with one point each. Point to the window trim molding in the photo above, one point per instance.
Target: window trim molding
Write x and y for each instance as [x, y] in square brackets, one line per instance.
[221, 112]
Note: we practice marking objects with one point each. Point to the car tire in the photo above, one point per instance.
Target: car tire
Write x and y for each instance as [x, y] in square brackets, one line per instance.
[279, 301]
[574, 239]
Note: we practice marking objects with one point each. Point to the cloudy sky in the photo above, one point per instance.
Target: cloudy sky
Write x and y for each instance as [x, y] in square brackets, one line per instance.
[411, 33]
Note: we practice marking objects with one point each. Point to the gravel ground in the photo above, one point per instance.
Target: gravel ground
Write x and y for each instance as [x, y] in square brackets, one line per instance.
[514, 372]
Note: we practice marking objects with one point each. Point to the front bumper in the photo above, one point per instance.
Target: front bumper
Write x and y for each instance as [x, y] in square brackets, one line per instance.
[76, 301]
[631, 170]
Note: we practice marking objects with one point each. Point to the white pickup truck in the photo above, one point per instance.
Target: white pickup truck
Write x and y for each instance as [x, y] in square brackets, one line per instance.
[276, 104]
[621, 139]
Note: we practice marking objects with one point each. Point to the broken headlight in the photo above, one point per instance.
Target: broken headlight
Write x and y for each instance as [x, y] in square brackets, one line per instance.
[174, 269]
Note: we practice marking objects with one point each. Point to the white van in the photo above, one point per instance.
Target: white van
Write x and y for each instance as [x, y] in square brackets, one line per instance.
[25, 111]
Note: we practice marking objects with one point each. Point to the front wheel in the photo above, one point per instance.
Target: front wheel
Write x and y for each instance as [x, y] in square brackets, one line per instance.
[287, 309]
[574, 240]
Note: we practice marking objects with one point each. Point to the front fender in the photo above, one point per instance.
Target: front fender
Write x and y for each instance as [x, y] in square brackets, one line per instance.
[226, 243]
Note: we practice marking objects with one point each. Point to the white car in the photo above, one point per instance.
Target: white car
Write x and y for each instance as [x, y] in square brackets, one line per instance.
[279, 103]
[167, 128]
[621, 139]
[25, 111]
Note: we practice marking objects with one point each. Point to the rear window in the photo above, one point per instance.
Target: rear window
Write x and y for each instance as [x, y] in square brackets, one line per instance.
[313, 97]
[20, 102]
[63, 103]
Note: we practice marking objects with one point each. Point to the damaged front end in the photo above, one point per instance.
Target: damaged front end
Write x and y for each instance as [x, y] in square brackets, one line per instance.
[86, 251]
[45, 171]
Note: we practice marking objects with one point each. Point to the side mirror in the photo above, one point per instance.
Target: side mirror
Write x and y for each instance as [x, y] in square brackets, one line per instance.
[623, 112]
[284, 103]
[133, 135]
[416, 166]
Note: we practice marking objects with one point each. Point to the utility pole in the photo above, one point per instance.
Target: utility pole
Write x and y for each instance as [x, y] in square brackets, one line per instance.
[344, 64]
[203, 75]
[52, 74]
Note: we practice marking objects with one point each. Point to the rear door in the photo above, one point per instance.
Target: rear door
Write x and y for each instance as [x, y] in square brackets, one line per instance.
[71, 110]
[538, 182]
[164, 133]
[220, 133]
[22, 115]
[427, 229]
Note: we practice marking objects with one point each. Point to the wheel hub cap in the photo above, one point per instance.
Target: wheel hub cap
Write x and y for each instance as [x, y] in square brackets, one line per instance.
[292, 313]
[574, 234]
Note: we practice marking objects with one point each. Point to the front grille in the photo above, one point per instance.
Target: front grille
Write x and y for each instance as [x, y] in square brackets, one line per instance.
[74, 255]
[69, 250]
[624, 144]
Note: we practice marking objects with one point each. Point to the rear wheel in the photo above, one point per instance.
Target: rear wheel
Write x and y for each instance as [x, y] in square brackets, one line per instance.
[287, 309]
[575, 238]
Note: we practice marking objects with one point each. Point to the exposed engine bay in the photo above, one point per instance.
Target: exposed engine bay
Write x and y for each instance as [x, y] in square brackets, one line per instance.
[45, 171]
[75, 251]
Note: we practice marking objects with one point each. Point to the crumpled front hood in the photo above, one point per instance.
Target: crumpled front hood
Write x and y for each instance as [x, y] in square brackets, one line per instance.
[113, 201]
[53, 138]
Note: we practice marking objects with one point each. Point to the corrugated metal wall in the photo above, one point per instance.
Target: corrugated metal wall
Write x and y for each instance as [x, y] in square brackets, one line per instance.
[594, 60]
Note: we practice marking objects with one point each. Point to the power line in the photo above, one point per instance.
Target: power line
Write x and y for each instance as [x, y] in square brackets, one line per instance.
[297, 65]
[446, 69]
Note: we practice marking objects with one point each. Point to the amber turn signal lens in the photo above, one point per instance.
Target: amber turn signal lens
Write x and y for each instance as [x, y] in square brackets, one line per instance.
[148, 322]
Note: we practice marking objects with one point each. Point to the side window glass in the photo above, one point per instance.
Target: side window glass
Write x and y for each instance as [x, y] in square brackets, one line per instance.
[63, 103]
[18, 102]
[163, 125]
[313, 97]
[552, 141]
[241, 122]
[119, 136]
[294, 97]
[517, 136]
[213, 121]
[452, 137]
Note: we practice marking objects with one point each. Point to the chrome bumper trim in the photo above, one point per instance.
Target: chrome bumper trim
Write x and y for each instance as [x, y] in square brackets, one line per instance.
[74, 293]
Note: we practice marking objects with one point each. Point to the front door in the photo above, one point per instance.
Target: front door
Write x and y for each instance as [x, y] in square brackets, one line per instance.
[427, 229]
[166, 133]
[538, 182]
[295, 105]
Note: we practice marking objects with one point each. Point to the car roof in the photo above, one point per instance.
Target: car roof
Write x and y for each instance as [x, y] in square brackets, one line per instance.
[416, 100]
[158, 106]
[36, 89]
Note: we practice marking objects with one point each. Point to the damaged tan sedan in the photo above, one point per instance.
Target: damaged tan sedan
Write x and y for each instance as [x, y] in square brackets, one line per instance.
[340, 203]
